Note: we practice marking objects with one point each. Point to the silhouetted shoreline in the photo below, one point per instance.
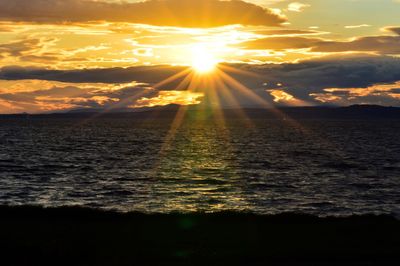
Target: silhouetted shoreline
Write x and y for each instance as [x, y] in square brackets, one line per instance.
[78, 236]
[169, 111]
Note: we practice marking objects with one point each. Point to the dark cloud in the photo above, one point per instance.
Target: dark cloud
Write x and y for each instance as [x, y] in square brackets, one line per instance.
[393, 29]
[379, 44]
[300, 79]
[314, 76]
[19, 47]
[45, 58]
[318, 73]
[142, 74]
[185, 13]
[29, 49]
[342, 72]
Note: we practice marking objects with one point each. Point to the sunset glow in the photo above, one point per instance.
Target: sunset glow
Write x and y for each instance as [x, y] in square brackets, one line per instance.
[200, 132]
[137, 48]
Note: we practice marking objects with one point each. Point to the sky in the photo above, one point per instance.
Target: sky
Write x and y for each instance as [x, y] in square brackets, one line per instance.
[61, 55]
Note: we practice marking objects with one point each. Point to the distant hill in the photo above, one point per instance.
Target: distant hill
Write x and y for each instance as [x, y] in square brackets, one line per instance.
[169, 111]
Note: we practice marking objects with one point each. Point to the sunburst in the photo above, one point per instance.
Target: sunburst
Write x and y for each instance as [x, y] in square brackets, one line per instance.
[203, 59]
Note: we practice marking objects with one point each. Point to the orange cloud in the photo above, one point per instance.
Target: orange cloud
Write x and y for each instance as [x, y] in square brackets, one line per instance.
[281, 96]
[41, 96]
[372, 94]
[181, 13]
[171, 97]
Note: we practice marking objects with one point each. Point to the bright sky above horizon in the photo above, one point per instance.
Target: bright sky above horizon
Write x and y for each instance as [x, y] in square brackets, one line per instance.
[58, 55]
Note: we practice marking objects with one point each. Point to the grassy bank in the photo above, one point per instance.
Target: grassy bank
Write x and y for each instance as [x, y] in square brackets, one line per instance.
[76, 236]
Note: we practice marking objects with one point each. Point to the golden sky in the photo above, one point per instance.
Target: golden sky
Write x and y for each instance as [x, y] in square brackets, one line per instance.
[305, 52]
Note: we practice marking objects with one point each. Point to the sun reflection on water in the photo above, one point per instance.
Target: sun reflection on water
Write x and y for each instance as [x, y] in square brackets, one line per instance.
[197, 171]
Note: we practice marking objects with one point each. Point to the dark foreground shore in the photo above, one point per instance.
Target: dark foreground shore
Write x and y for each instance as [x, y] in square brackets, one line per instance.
[75, 236]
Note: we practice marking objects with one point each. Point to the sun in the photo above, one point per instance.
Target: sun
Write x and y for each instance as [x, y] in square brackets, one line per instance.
[203, 59]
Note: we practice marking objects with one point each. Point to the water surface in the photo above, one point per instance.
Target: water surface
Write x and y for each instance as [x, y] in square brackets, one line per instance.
[317, 166]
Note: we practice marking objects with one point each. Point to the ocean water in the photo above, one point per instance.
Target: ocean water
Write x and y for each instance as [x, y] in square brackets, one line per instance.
[316, 166]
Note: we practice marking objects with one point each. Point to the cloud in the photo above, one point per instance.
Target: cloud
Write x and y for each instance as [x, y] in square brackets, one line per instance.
[297, 7]
[353, 71]
[29, 49]
[341, 72]
[378, 44]
[386, 94]
[289, 32]
[373, 44]
[282, 97]
[23, 46]
[142, 74]
[305, 81]
[181, 13]
[71, 96]
[281, 43]
[5, 29]
[170, 97]
[63, 96]
[357, 26]
[392, 29]
[329, 72]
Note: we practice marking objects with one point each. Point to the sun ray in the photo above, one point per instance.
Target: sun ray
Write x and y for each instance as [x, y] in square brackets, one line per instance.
[217, 111]
[228, 68]
[263, 103]
[232, 82]
[172, 78]
[181, 86]
[223, 90]
[115, 106]
[178, 119]
[137, 96]
[243, 89]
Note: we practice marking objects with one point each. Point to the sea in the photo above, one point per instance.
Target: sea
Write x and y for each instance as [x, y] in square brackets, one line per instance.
[323, 167]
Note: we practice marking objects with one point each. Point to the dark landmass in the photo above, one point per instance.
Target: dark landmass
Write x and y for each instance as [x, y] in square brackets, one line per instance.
[77, 236]
[318, 112]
